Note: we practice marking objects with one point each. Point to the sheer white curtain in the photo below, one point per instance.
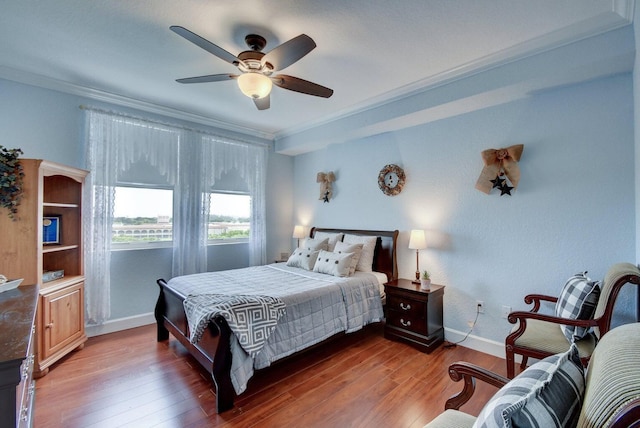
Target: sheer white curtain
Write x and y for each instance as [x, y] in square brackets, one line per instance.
[251, 163]
[98, 216]
[113, 144]
[257, 181]
[191, 161]
[191, 207]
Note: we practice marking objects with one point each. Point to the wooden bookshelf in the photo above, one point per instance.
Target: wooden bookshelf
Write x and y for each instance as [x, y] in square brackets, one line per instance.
[51, 190]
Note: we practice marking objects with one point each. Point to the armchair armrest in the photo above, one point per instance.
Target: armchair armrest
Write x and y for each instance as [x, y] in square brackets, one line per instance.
[522, 317]
[469, 373]
[536, 299]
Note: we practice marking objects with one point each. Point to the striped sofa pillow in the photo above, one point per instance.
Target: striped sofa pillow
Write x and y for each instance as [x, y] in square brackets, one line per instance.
[547, 394]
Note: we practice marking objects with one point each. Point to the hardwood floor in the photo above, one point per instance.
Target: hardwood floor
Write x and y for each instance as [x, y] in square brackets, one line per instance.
[361, 380]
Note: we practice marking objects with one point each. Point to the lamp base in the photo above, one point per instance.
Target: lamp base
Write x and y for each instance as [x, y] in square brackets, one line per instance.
[415, 281]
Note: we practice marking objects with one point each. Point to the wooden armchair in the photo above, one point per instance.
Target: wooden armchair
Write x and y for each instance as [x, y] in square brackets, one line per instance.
[537, 335]
[609, 398]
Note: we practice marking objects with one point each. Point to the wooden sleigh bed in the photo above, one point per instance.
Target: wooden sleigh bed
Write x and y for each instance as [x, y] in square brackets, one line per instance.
[213, 350]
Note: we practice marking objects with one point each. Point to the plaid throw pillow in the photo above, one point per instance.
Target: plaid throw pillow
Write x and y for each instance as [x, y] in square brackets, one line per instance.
[548, 394]
[577, 301]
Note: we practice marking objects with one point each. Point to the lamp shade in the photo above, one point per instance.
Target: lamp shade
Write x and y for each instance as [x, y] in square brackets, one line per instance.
[298, 232]
[417, 240]
[255, 85]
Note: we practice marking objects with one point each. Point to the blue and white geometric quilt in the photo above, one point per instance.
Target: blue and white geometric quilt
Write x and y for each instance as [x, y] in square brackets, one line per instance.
[251, 318]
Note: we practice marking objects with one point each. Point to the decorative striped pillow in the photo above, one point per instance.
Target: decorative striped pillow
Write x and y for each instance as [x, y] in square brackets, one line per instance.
[577, 301]
[548, 394]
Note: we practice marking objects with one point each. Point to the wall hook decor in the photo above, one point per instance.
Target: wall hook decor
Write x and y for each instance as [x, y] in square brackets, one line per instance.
[325, 180]
[500, 169]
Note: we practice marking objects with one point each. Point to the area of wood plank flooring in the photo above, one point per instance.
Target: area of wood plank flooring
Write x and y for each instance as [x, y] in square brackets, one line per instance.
[360, 380]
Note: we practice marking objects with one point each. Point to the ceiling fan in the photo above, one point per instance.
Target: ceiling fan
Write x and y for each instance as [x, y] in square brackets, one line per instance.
[257, 68]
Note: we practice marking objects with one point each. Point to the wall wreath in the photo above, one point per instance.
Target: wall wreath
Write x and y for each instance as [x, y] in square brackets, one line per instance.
[391, 180]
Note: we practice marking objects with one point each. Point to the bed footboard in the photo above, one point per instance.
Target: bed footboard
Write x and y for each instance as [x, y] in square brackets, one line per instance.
[213, 351]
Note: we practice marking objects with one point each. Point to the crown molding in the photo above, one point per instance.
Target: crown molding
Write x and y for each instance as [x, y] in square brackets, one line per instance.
[620, 16]
[624, 8]
[40, 81]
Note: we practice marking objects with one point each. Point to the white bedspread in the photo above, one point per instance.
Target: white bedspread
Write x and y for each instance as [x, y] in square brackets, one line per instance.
[317, 307]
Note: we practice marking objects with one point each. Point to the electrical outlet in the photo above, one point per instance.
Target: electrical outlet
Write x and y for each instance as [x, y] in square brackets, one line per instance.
[506, 310]
[480, 306]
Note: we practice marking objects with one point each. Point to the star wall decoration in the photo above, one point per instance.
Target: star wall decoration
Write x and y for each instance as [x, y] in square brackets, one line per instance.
[505, 189]
[500, 169]
[498, 182]
[502, 184]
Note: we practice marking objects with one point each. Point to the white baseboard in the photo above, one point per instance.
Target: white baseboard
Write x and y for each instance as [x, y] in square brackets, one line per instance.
[477, 343]
[119, 324]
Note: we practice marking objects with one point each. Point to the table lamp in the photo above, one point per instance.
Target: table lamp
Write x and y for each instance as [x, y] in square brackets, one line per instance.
[417, 242]
[298, 232]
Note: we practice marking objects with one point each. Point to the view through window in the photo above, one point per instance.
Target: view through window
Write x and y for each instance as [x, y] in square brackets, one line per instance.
[143, 217]
[229, 216]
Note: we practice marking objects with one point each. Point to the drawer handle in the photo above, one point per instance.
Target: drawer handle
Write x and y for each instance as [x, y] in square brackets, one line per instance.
[405, 307]
[50, 325]
[405, 324]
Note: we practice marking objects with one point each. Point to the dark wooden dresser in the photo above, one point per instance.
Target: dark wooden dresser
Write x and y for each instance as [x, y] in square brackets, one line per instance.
[17, 387]
[414, 315]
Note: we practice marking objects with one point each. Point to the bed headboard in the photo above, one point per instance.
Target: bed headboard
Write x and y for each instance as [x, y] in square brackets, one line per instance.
[384, 258]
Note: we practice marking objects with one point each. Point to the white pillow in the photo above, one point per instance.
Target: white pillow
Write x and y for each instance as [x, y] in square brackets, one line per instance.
[356, 249]
[333, 238]
[315, 244]
[365, 264]
[303, 258]
[333, 263]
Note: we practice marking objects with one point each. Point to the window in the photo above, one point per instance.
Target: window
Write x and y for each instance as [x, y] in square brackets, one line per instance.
[229, 217]
[142, 217]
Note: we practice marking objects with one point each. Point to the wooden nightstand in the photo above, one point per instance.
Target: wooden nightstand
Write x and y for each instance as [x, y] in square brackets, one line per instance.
[414, 315]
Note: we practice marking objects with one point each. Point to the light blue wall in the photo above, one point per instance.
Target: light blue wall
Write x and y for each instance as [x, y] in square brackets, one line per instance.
[44, 124]
[574, 209]
[134, 274]
[50, 125]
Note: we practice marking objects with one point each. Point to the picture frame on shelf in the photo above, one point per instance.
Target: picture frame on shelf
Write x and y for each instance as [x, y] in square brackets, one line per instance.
[50, 230]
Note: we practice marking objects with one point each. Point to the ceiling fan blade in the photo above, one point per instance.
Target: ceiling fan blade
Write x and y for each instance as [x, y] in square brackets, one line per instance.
[300, 85]
[209, 78]
[205, 44]
[262, 103]
[289, 52]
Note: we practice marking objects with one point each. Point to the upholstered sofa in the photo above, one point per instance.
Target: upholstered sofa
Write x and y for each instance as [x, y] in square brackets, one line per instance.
[606, 395]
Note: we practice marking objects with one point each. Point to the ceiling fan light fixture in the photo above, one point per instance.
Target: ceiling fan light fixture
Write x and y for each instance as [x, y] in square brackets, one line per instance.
[254, 85]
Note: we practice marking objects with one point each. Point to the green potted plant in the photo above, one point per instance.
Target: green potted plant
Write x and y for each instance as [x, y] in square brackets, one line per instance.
[425, 280]
[11, 175]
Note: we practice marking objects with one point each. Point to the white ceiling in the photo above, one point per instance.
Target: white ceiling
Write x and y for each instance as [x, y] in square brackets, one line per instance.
[371, 52]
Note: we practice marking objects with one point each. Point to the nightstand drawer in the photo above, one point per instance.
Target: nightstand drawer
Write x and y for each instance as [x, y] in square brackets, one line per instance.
[410, 308]
[417, 324]
[414, 315]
